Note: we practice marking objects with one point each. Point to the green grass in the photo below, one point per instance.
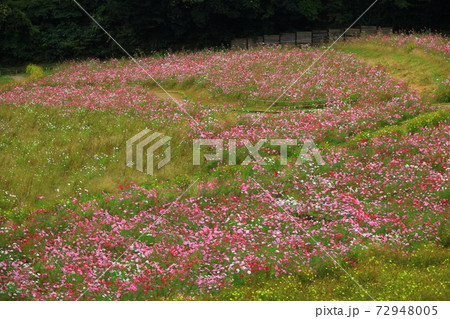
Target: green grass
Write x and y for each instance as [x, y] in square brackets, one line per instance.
[30, 71]
[385, 275]
[191, 91]
[442, 115]
[46, 152]
[422, 70]
[5, 80]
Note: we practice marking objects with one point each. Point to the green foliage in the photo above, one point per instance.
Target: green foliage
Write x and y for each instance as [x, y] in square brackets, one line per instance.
[54, 30]
[34, 71]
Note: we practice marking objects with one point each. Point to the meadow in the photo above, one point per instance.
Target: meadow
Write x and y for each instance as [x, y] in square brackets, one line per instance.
[371, 223]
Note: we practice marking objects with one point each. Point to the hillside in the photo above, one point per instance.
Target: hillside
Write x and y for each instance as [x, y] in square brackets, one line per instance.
[78, 223]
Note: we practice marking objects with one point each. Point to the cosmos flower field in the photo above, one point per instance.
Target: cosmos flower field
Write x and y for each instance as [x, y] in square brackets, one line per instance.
[384, 182]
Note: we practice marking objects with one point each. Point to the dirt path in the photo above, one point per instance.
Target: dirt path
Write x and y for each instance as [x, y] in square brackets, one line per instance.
[170, 97]
[18, 77]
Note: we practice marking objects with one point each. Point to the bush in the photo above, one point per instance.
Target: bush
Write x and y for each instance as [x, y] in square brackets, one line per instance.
[34, 71]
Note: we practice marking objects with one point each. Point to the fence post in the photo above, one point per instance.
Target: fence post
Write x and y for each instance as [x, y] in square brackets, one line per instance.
[319, 37]
[240, 43]
[255, 41]
[353, 33]
[272, 39]
[385, 30]
[333, 34]
[368, 29]
[315, 37]
[287, 38]
[303, 37]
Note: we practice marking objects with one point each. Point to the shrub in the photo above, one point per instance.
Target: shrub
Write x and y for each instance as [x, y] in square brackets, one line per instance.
[34, 71]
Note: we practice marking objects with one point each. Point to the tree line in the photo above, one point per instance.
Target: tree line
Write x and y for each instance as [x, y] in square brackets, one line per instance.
[55, 30]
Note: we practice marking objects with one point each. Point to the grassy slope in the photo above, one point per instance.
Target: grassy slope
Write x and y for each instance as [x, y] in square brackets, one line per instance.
[421, 70]
[383, 275]
[35, 162]
[49, 153]
[46, 152]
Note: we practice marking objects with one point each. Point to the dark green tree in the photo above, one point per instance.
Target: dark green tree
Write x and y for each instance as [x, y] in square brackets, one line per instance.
[52, 30]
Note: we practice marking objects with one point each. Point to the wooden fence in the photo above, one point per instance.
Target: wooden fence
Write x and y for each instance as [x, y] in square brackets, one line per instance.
[314, 37]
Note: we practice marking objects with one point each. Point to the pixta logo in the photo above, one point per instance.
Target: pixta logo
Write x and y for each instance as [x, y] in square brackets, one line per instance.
[308, 151]
[147, 144]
